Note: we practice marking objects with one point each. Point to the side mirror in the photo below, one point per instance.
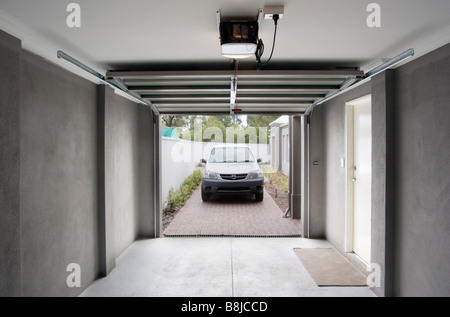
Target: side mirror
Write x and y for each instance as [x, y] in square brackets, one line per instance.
[259, 160]
[203, 161]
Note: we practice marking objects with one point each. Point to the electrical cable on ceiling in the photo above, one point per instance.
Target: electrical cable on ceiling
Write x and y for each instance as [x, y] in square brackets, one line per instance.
[260, 46]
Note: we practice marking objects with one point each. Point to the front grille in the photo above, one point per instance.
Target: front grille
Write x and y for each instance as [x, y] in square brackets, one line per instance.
[233, 177]
[233, 189]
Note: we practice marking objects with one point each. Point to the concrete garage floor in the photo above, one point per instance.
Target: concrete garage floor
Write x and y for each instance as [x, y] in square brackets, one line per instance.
[232, 215]
[215, 267]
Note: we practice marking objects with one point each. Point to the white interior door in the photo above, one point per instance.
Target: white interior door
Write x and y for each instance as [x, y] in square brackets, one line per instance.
[362, 177]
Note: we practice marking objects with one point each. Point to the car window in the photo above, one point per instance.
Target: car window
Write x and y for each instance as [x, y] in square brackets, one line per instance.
[231, 155]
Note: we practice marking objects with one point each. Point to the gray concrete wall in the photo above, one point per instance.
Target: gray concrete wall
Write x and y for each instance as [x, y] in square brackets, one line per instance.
[146, 147]
[125, 161]
[105, 181]
[10, 257]
[327, 178]
[295, 163]
[71, 173]
[316, 214]
[125, 140]
[82, 168]
[58, 180]
[383, 171]
[422, 178]
[411, 178]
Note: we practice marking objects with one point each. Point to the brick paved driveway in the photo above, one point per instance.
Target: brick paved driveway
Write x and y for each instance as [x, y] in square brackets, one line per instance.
[232, 215]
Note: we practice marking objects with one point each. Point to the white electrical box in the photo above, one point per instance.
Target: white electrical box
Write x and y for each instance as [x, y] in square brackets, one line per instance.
[269, 11]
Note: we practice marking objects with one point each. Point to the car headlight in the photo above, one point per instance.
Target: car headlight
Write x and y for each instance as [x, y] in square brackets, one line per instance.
[210, 174]
[256, 174]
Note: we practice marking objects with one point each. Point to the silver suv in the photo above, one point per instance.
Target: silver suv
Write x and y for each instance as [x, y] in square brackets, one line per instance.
[232, 169]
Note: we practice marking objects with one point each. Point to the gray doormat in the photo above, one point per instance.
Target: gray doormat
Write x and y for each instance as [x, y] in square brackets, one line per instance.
[329, 268]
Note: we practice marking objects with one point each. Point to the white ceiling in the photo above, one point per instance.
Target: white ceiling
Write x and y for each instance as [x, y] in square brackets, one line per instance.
[320, 45]
[117, 34]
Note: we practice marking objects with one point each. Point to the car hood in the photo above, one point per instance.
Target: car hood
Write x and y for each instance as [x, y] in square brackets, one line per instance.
[232, 168]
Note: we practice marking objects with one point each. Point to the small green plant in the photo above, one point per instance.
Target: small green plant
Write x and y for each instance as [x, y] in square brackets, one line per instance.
[279, 180]
[276, 179]
[177, 198]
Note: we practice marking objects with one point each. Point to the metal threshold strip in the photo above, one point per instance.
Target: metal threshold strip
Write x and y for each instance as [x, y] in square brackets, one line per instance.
[231, 236]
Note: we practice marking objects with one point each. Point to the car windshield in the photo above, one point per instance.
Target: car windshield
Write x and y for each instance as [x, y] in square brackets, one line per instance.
[231, 155]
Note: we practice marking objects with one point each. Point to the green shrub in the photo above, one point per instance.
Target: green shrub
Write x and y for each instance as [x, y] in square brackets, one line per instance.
[177, 198]
[276, 179]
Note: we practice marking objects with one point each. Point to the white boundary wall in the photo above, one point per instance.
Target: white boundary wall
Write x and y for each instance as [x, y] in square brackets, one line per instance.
[279, 145]
[180, 157]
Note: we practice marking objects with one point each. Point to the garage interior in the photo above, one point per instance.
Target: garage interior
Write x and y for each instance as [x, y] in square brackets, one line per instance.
[79, 159]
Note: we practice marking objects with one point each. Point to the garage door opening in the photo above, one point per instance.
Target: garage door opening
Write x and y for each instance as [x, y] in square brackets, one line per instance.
[196, 90]
[187, 141]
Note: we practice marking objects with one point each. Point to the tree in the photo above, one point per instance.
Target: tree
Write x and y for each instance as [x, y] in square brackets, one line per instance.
[230, 120]
[167, 120]
[171, 121]
[214, 128]
[259, 122]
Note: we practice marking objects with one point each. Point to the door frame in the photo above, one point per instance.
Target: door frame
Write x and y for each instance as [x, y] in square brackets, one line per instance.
[349, 189]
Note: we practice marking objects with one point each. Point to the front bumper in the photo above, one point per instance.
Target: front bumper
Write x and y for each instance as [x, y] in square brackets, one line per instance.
[253, 186]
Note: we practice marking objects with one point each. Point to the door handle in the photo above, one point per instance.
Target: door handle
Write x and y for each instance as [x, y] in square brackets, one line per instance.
[354, 179]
